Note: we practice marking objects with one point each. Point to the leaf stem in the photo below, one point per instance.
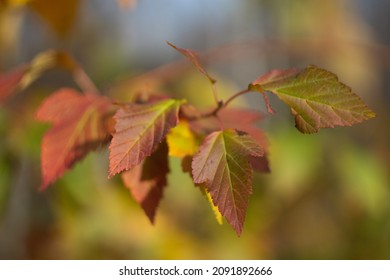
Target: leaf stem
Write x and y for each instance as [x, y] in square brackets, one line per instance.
[220, 106]
[84, 81]
[235, 96]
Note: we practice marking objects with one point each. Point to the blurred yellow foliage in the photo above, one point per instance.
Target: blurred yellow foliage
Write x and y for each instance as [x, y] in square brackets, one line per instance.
[16, 3]
[181, 141]
[59, 15]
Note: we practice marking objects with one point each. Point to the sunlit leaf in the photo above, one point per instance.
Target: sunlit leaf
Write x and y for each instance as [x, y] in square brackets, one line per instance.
[222, 164]
[316, 97]
[78, 128]
[138, 131]
[147, 180]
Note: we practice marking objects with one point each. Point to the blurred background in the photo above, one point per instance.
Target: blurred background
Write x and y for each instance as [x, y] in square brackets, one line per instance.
[327, 196]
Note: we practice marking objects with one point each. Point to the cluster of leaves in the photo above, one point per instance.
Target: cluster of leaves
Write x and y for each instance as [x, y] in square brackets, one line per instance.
[220, 148]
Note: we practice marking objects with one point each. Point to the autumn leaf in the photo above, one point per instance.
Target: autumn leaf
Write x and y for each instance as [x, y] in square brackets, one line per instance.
[183, 143]
[138, 131]
[192, 56]
[243, 120]
[147, 180]
[222, 164]
[78, 127]
[316, 97]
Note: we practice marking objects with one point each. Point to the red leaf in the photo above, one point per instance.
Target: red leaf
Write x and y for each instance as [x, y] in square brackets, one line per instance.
[138, 131]
[192, 56]
[9, 82]
[222, 164]
[147, 180]
[78, 128]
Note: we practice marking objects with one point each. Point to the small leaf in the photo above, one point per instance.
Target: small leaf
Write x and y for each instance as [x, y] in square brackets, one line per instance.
[147, 180]
[316, 97]
[192, 56]
[78, 128]
[182, 141]
[138, 131]
[222, 164]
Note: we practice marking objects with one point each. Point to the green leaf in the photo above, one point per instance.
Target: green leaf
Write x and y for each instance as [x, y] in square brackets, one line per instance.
[138, 131]
[222, 164]
[316, 97]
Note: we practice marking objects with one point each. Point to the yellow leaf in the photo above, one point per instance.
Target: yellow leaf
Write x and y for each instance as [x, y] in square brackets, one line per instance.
[59, 15]
[181, 141]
